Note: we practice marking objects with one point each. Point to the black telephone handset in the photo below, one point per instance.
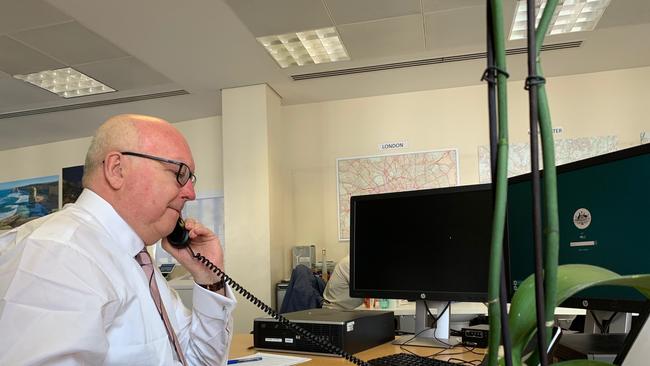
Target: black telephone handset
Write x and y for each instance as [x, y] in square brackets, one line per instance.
[180, 238]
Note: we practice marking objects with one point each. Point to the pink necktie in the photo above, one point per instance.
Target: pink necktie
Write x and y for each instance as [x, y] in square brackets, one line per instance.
[144, 260]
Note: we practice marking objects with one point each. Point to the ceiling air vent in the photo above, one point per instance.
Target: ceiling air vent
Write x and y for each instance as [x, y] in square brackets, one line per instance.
[428, 61]
[98, 103]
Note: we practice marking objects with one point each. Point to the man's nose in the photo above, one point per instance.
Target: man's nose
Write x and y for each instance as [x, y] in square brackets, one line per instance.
[187, 191]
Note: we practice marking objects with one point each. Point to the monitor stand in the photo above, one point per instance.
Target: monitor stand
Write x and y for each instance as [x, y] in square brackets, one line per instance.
[621, 323]
[425, 336]
[592, 344]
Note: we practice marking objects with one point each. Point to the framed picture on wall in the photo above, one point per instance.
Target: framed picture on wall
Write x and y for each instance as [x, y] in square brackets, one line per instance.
[27, 199]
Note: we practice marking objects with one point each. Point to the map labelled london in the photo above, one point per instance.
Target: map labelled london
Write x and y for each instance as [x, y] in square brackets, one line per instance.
[392, 173]
[566, 151]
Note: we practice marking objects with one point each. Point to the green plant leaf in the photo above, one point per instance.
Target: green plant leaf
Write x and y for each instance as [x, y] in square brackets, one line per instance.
[571, 278]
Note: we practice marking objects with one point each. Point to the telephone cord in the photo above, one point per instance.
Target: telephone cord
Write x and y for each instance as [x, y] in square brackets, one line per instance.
[330, 348]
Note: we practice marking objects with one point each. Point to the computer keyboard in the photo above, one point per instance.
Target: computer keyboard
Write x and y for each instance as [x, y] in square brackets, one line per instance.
[407, 359]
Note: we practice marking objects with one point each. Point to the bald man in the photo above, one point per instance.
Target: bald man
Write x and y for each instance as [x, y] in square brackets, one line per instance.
[73, 288]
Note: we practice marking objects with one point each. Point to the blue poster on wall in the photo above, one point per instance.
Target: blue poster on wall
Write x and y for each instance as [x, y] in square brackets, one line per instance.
[27, 199]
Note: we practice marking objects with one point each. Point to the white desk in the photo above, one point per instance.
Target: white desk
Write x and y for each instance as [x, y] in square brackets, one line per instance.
[464, 308]
[461, 314]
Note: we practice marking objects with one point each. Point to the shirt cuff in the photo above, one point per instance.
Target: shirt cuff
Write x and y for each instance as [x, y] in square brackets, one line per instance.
[204, 301]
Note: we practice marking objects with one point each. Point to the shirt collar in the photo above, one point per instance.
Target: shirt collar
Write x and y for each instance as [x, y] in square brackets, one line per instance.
[124, 236]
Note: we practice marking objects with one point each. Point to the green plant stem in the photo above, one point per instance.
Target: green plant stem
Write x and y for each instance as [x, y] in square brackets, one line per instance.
[498, 221]
[552, 230]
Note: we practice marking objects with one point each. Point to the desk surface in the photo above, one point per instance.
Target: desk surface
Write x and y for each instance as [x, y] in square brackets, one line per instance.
[242, 345]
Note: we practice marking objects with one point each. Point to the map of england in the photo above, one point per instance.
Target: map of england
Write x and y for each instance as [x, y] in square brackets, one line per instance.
[566, 151]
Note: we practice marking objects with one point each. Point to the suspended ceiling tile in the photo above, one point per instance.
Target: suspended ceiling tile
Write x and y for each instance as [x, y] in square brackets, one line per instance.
[123, 74]
[264, 18]
[14, 93]
[450, 30]
[383, 37]
[623, 13]
[17, 15]
[430, 6]
[16, 58]
[70, 43]
[346, 11]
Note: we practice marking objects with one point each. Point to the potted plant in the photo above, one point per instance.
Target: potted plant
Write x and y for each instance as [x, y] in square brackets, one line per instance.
[556, 282]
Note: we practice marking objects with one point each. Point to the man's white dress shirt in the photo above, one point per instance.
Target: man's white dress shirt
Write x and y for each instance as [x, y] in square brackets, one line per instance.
[71, 293]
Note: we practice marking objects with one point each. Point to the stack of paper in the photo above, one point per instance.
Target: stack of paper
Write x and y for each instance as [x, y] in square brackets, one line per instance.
[267, 359]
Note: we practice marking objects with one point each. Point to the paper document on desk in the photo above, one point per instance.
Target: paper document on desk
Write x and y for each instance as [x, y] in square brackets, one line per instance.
[268, 359]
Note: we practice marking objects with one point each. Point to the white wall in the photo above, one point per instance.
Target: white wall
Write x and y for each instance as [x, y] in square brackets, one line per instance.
[204, 136]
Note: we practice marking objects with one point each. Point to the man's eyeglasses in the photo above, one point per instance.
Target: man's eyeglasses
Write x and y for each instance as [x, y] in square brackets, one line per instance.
[183, 175]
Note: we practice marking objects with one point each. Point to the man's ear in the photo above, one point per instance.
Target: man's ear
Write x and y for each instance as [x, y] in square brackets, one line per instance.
[113, 170]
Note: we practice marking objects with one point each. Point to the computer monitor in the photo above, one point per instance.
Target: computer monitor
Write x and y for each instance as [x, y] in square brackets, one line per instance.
[604, 213]
[431, 244]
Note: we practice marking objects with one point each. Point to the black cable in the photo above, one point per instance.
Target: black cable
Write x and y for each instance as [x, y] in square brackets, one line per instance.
[433, 324]
[474, 362]
[472, 350]
[603, 326]
[435, 318]
[443, 352]
[531, 83]
[609, 321]
[491, 72]
[406, 343]
[324, 344]
[598, 323]
[461, 361]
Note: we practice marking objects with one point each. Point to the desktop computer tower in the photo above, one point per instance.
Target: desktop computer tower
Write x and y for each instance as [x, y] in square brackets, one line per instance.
[353, 330]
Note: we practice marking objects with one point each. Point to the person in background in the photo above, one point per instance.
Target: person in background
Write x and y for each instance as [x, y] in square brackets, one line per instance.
[337, 291]
[78, 286]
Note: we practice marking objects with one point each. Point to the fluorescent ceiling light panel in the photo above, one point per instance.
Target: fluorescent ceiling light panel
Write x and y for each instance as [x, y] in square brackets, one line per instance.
[66, 82]
[303, 48]
[570, 16]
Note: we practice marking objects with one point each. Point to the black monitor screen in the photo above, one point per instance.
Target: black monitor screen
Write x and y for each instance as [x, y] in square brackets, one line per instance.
[429, 244]
[604, 213]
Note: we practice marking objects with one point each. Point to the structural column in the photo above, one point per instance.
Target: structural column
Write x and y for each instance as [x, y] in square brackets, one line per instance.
[248, 113]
